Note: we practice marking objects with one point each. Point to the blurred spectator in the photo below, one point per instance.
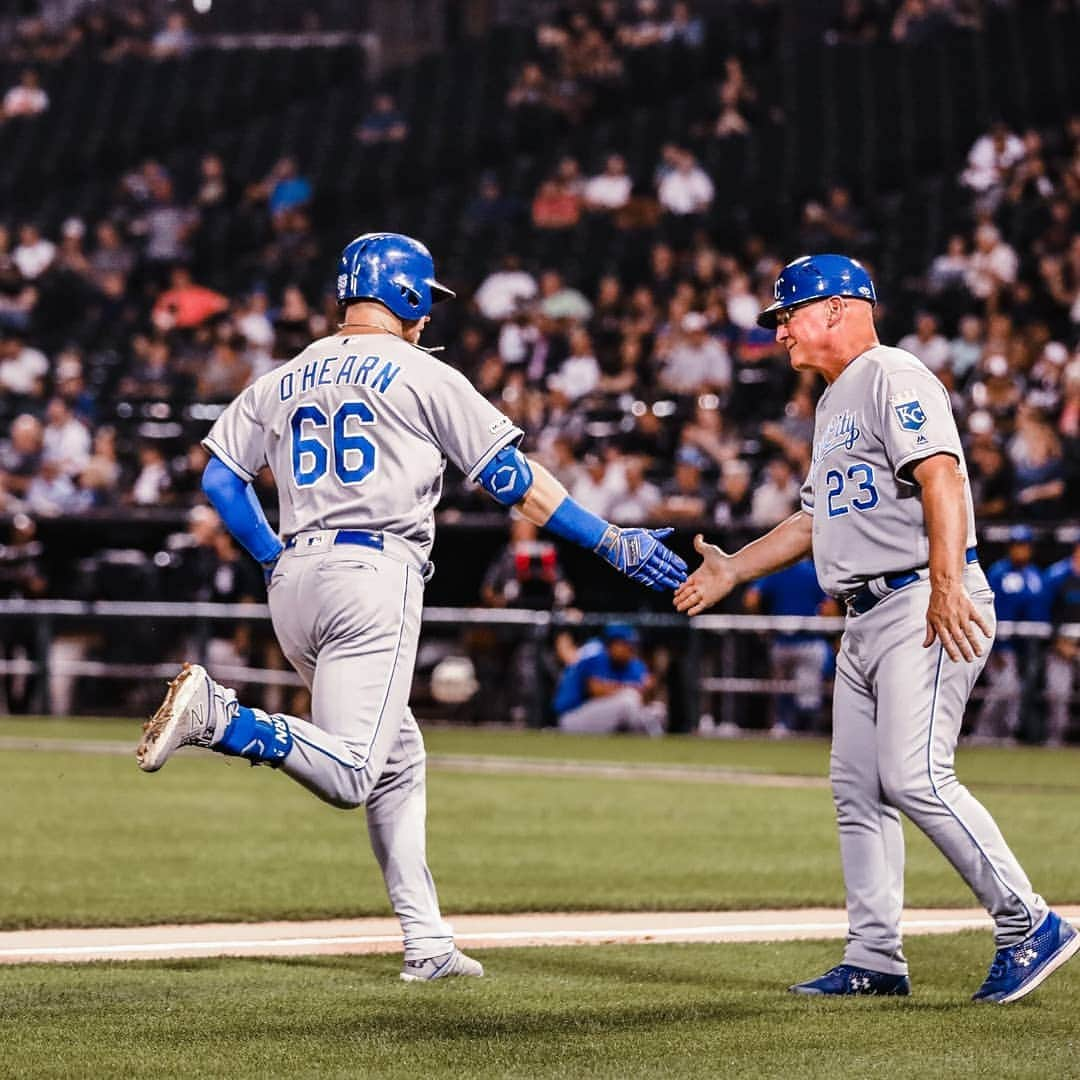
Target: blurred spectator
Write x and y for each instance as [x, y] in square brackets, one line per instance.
[70, 256]
[579, 373]
[555, 207]
[993, 265]
[610, 189]
[503, 292]
[696, 362]
[608, 688]
[966, 349]
[917, 22]
[100, 480]
[150, 377]
[777, 498]
[1063, 660]
[173, 39]
[561, 301]
[1039, 465]
[153, 485]
[166, 226]
[52, 492]
[22, 577]
[597, 487]
[490, 211]
[1018, 597]
[22, 367]
[527, 572]
[21, 453]
[685, 190]
[184, 304]
[735, 505]
[991, 476]
[640, 501]
[685, 498]
[385, 123]
[683, 27]
[111, 255]
[949, 271]
[26, 98]
[926, 343]
[34, 254]
[286, 189]
[66, 439]
[988, 163]
[857, 23]
[797, 656]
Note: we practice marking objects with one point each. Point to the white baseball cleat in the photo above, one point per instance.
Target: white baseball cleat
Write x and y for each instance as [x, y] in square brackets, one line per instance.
[182, 720]
[441, 967]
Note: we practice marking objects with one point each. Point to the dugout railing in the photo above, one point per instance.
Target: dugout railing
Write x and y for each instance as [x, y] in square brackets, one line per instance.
[712, 661]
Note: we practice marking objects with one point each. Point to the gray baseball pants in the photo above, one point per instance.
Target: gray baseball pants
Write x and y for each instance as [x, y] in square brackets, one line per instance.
[348, 620]
[897, 710]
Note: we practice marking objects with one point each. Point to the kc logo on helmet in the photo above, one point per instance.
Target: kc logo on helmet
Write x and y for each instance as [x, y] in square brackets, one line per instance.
[910, 415]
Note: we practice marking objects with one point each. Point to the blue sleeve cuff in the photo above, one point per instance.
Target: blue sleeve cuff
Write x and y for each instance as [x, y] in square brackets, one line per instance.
[234, 500]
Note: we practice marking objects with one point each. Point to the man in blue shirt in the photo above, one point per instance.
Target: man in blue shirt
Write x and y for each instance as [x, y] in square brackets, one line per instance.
[1062, 585]
[606, 688]
[1019, 596]
[800, 657]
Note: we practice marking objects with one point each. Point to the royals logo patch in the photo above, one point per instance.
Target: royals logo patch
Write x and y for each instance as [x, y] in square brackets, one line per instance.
[910, 415]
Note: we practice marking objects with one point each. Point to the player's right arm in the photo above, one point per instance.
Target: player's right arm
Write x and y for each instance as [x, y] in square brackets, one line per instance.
[719, 572]
[515, 480]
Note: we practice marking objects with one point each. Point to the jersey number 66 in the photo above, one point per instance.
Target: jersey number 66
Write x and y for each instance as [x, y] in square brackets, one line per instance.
[315, 440]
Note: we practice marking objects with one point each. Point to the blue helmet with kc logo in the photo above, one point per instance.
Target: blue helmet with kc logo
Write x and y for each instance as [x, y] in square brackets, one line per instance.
[393, 269]
[816, 277]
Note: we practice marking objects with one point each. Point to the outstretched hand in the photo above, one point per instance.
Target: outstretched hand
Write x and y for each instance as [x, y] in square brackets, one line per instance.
[709, 583]
[640, 555]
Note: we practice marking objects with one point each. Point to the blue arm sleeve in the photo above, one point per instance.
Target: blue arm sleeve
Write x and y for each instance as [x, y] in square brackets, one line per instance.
[234, 499]
[572, 521]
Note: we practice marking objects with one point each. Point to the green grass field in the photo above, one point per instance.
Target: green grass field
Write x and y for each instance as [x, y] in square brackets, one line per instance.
[651, 1010]
[92, 841]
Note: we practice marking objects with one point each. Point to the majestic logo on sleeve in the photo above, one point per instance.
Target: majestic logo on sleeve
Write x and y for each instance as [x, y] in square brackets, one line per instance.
[841, 431]
[911, 415]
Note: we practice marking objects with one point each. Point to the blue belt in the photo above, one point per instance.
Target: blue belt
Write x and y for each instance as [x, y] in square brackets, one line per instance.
[350, 536]
[864, 600]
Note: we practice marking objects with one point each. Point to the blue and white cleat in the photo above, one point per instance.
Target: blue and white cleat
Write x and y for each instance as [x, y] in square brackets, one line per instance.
[441, 967]
[848, 981]
[1019, 969]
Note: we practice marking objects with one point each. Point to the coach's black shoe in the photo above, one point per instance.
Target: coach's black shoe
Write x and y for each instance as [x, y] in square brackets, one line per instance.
[846, 980]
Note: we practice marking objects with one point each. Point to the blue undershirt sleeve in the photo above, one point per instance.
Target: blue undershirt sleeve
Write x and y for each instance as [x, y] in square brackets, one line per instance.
[234, 500]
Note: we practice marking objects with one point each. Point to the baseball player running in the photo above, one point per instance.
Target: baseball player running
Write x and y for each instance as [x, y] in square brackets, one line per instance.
[356, 430]
[886, 513]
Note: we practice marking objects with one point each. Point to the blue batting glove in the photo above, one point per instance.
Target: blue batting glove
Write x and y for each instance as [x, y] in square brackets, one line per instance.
[639, 554]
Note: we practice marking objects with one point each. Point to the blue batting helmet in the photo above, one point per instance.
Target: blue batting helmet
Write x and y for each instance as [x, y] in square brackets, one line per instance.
[393, 269]
[815, 277]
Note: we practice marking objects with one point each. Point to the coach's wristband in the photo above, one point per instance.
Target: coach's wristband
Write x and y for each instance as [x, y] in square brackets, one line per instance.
[572, 521]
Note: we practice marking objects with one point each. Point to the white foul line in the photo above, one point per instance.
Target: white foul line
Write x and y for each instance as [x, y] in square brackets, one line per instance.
[224, 946]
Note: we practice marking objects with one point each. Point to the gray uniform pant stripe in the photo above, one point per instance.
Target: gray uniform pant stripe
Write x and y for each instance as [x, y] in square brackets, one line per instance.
[896, 720]
[348, 620]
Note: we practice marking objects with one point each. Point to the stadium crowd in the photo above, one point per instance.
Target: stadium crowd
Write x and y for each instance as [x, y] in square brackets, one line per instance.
[640, 377]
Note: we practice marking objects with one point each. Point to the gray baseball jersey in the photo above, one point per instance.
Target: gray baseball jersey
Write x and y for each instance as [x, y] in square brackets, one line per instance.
[884, 413]
[356, 431]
